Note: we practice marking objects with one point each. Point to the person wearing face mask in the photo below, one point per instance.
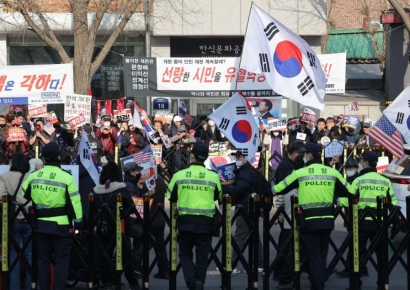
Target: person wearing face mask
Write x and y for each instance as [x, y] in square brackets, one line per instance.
[4, 126]
[244, 185]
[302, 133]
[108, 136]
[288, 164]
[369, 185]
[213, 132]
[316, 184]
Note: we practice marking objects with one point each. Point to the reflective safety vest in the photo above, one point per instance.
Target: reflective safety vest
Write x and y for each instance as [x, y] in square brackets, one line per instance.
[48, 188]
[196, 189]
[370, 186]
[316, 186]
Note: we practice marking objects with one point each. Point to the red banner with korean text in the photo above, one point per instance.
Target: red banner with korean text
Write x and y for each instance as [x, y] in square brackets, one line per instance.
[16, 134]
[76, 121]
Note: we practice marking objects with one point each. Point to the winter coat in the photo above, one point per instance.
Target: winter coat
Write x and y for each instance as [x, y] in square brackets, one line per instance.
[8, 183]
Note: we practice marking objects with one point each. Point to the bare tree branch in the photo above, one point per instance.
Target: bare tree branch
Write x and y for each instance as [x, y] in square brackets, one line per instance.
[128, 12]
[48, 35]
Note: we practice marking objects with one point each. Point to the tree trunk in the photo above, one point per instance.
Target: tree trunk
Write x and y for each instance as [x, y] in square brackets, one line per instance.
[396, 5]
[83, 49]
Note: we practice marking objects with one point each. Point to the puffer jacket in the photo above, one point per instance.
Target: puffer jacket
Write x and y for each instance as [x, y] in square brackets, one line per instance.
[245, 184]
[8, 183]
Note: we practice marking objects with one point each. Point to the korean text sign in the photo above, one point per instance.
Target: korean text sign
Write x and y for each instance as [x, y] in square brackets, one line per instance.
[77, 105]
[39, 83]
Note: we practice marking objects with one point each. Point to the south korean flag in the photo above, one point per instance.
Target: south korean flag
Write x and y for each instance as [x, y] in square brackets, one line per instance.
[235, 120]
[291, 67]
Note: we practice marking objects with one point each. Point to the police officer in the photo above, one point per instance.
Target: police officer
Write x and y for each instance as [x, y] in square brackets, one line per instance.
[316, 185]
[56, 200]
[370, 185]
[195, 189]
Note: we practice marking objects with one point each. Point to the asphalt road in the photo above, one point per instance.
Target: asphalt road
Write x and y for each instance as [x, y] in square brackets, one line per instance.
[398, 277]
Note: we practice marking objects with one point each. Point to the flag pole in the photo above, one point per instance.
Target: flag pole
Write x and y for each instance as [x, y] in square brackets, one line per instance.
[246, 30]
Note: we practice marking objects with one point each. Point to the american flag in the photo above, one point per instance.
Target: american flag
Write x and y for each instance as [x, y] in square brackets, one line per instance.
[48, 128]
[182, 111]
[388, 136]
[256, 162]
[141, 157]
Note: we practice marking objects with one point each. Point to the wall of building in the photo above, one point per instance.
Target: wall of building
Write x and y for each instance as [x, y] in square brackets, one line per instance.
[348, 14]
[230, 17]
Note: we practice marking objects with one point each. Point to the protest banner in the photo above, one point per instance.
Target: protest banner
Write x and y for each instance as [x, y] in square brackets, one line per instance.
[77, 105]
[333, 148]
[16, 134]
[38, 110]
[277, 124]
[123, 116]
[308, 116]
[164, 116]
[76, 121]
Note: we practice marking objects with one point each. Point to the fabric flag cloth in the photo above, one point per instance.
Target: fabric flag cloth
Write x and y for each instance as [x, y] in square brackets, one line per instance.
[48, 128]
[235, 120]
[142, 157]
[276, 145]
[388, 136]
[182, 111]
[140, 121]
[291, 67]
[398, 113]
[136, 118]
[87, 158]
[354, 107]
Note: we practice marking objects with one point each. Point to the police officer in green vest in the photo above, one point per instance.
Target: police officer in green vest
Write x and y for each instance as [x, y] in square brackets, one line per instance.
[195, 189]
[370, 185]
[316, 185]
[57, 206]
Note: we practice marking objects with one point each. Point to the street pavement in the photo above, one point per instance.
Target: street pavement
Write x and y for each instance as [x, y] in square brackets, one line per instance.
[398, 277]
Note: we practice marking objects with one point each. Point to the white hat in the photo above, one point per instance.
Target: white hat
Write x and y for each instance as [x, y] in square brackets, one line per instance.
[131, 122]
[177, 119]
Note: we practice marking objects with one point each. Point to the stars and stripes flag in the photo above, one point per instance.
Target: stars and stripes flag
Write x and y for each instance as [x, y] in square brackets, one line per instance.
[235, 120]
[398, 113]
[141, 157]
[182, 111]
[291, 67]
[388, 136]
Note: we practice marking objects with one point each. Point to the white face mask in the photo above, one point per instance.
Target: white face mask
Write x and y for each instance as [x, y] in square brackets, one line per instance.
[275, 133]
[238, 163]
[360, 167]
[107, 124]
[350, 173]
[305, 160]
[211, 123]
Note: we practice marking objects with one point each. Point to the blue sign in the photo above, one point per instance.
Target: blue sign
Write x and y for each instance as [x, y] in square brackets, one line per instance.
[160, 104]
[14, 101]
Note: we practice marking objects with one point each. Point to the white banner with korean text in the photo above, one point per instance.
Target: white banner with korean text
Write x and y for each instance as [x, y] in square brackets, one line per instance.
[77, 105]
[36, 84]
[334, 66]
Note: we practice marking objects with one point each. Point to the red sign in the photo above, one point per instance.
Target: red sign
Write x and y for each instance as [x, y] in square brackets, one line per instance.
[308, 116]
[139, 204]
[37, 110]
[76, 121]
[16, 134]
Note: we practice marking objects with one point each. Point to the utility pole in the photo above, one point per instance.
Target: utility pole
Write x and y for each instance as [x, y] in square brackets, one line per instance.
[147, 17]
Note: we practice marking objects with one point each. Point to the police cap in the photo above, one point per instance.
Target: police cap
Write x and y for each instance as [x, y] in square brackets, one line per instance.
[200, 152]
[369, 156]
[50, 151]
